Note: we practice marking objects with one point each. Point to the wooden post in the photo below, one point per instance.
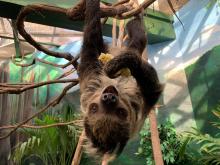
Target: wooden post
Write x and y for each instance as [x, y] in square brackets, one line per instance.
[158, 158]
[155, 139]
[114, 32]
[78, 152]
[121, 33]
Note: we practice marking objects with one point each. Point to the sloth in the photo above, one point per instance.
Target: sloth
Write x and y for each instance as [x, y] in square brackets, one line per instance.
[114, 107]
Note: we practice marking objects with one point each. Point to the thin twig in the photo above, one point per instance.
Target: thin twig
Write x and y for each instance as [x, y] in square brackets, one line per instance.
[42, 126]
[23, 65]
[120, 2]
[66, 74]
[51, 103]
[19, 88]
[22, 40]
[135, 11]
[174, 12]
[48, 62]
[62, 65]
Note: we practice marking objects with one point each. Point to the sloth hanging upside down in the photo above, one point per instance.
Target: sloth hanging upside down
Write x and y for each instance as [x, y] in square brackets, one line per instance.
[114, 107]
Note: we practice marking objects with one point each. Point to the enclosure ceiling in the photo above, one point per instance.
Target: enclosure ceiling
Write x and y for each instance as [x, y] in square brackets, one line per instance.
[159, 25]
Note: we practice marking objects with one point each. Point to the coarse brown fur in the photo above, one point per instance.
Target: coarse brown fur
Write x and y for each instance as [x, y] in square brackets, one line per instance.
[110, 123]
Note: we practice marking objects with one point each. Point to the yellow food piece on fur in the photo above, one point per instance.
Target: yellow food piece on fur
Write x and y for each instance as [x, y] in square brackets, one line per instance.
[125, 72]
[104, 58]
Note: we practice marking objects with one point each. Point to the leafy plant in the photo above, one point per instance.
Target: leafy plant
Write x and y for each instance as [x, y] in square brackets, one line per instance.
[54, 145]
[212, 3]
[170, 145]
[208, 147]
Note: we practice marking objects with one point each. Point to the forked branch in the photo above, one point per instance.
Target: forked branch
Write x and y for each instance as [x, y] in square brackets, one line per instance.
[123, 9]
[52, 103]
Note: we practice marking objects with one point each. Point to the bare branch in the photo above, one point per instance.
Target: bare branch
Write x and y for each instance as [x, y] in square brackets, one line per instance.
[66, 74]
[174, 12]
[137, 10]
[51, 103]
[51, 63]
[78, 11]
[23, 65]
[20, 26]
[19, 88]
[121, 2]
[121, 10]
[64, 92]
[74, 122]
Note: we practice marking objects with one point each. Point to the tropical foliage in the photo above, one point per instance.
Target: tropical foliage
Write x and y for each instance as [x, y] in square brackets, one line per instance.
[54, 145]
[170, 145]
[208, 147]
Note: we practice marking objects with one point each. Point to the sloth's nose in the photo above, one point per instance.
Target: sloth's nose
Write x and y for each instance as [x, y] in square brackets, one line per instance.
[110, 96]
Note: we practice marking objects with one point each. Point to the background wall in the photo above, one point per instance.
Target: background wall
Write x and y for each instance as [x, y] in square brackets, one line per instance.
[200, 33]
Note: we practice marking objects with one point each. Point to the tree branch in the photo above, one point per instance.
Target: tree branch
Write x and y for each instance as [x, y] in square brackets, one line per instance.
[74, 122]
[121, 10]
[51, 103]
[23, 65]
[137, 10]
[174, 12]
[20, 26]
[19, 88]
[66, 74]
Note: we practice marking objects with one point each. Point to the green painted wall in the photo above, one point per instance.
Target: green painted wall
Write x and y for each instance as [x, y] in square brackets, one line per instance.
[159, 26]
[204, 86]
[41, 72]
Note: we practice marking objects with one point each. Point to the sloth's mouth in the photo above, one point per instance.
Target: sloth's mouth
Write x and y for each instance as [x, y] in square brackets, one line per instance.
[111, 90]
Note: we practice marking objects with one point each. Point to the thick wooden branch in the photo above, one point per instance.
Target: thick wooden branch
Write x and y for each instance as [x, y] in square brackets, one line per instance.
[121, 10]
[20, 26]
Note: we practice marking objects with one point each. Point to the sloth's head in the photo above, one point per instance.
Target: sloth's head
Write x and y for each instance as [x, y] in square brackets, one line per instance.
[114, 113]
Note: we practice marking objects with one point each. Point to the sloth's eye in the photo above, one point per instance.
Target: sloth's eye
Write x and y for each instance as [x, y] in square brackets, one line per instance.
[93, 108]
[122, 113]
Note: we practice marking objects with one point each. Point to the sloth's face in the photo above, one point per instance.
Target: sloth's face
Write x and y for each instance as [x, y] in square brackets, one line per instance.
[114, 113]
